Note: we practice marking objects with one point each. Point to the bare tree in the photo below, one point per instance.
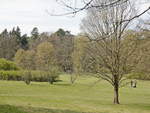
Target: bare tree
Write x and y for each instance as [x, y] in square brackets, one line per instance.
[109, 50]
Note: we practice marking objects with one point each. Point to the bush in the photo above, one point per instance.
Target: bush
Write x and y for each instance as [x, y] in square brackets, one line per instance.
[139, 76]
[27, 76]
[52, 75]
[7, 65]
[11, 75]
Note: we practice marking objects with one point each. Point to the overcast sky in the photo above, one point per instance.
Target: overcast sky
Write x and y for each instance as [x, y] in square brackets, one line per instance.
[32, 13]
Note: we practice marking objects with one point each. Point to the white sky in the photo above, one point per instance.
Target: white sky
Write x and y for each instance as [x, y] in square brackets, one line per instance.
[32, 13]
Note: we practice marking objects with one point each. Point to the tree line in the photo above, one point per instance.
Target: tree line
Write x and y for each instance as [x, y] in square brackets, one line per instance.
[68, 52]
[13, 45]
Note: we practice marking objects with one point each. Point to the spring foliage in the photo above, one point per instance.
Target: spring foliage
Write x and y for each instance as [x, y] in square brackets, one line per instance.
[7, 65]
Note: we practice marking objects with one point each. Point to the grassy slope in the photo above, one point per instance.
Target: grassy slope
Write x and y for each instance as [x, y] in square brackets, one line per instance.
[83, 96]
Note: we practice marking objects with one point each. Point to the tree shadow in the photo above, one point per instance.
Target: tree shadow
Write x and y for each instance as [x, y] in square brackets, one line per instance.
[141, 105]
[21, 109]
[63, 84]
[10, 109]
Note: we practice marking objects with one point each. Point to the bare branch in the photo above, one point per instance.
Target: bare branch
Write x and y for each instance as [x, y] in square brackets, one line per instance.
[89, 5]
[137, 16]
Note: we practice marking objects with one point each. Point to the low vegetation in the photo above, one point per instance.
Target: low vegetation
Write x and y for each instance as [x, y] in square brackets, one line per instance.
[7, 65]
[38, 76]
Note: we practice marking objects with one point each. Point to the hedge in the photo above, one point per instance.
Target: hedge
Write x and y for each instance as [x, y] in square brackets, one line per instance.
[39, 76]
[7, 65]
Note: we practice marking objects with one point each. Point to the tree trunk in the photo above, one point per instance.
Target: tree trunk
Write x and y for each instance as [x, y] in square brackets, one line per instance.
[116, 94]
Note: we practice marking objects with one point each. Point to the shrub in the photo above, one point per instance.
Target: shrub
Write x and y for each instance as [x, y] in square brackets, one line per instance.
[52, 75]
[7, 65]
[28, 76]
[11, 75]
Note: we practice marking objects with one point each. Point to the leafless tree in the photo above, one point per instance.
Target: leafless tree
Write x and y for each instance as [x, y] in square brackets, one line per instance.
[109, 50]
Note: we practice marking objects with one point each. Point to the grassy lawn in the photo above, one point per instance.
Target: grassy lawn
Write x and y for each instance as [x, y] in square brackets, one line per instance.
[62, 97]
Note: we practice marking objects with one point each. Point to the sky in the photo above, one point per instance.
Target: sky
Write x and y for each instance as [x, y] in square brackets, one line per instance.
[33, 13]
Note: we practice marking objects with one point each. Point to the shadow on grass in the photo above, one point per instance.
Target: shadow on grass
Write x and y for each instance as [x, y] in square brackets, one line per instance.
[54, 84]
[10, 109]
[62, 84]
[16, 109]
[137, 106]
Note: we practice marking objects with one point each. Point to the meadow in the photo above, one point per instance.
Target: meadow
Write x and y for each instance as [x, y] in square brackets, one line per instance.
[86, 95]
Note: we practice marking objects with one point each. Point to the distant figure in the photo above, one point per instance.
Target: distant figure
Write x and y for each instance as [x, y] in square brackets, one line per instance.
[133, 83]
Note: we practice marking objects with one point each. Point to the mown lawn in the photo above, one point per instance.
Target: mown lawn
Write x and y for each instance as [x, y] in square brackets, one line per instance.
[82, 97]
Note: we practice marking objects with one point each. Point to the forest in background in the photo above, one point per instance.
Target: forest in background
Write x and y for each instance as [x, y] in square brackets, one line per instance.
[66, 53]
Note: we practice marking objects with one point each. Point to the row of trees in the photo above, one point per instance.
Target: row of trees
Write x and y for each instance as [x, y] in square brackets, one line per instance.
[61, 41]
[81, 55]
[70, 53]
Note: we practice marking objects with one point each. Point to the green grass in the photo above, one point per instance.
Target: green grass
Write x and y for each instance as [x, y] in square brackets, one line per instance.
[62, 97]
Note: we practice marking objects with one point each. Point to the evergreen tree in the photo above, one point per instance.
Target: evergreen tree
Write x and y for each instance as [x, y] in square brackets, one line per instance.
[34, 33]
[24, 42]
[4, 33]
